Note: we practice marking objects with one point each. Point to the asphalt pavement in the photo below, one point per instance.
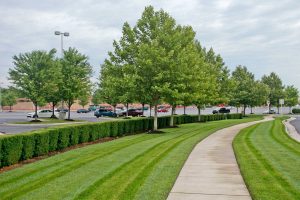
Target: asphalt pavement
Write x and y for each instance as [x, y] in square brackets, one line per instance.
[6, 118]
[296, 123]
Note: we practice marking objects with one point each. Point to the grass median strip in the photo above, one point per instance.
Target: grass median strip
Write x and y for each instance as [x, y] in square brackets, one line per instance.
[142, 166]
[269, 161]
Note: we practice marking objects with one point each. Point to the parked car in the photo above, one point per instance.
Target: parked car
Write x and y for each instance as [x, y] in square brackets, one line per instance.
[92, 107]
[162, 110]
[221, 110]
[132, 112]
[43, 113]
[62, 110]
[103, 112]
[82, 111]
[271, 111]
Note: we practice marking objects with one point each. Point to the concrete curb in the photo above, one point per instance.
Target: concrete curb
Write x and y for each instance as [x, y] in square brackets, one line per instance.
[211, 171]
[291, 130]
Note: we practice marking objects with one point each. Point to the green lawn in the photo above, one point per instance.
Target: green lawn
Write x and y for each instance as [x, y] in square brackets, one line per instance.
[143, 166]
[269, 161]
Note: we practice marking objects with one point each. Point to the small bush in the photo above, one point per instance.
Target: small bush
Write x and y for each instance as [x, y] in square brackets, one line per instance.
[63, 138]
[84, 135]
[28, 143]
[11, 149]
[74, 135]
[1, 154]
[296, 110]
[53, 139]
[114, 129]
[41, 143]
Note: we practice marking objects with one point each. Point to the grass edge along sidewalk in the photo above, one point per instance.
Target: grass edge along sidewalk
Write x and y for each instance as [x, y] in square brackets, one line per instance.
[21, 147]
[269, 161]
[143, 166]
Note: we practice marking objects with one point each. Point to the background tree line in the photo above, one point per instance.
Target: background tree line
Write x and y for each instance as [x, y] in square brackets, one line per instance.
[43, 78]
[155, 61]
[158, 60]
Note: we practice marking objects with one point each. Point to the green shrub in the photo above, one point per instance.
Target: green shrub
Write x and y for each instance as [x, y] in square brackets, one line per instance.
[11, 149]
[41, 143]
[121, 125]
[74, 135]
[63, 137]
[114, 129]
[1, 154]
[94, 132]
[296, 110]
[53, 139]
[84, 135]
[28, 144]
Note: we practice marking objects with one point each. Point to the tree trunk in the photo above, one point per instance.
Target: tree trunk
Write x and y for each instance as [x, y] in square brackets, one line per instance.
[199, 114]
[251, 109]
[10, 108]
[244, 110]
[155, 118]
[184, 110]
[290, 110]
[277, 109]
[35, 111]
[53, 106]
[69, 113]
[126, 109]
[143, 106]
[172, 116]
[237, 109]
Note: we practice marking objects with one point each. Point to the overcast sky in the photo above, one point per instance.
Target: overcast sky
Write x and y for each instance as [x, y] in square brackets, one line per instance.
[262, 35]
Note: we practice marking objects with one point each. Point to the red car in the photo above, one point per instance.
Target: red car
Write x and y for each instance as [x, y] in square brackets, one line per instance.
[162, 110]
[132, 112]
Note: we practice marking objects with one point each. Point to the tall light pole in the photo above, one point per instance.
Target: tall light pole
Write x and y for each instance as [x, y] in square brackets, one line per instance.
[62, 34]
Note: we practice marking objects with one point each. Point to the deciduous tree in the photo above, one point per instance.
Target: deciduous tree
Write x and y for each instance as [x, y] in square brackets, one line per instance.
[76, 73]
[31, 74]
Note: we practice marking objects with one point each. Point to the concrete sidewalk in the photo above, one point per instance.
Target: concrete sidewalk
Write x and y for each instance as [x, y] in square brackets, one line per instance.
[211, 171]
[291, 130]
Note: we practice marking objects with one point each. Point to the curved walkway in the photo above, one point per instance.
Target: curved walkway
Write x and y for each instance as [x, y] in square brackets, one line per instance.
[211, 171]
[291, 130]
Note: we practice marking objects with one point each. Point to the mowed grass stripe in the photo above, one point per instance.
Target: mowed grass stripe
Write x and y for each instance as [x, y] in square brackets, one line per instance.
[26, 170]
[140, 163]
[261, 159]
[145, 167]
[58, 169]
[37, 183]
[283, 187]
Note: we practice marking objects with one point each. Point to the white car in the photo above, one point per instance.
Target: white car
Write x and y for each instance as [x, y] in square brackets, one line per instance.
[271, 111]
[43, 113]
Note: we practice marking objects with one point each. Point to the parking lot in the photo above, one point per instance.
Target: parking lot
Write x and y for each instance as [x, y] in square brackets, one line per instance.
[7, 118]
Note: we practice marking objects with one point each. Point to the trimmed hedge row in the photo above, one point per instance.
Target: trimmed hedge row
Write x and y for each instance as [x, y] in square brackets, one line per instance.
[296, 111]
[28, 145]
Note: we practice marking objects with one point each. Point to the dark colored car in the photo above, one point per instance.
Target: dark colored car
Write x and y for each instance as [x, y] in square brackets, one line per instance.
[92, 108]
[103, 112]
[82, 111]
[132, 112]
[221, 110]
[62, 110]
